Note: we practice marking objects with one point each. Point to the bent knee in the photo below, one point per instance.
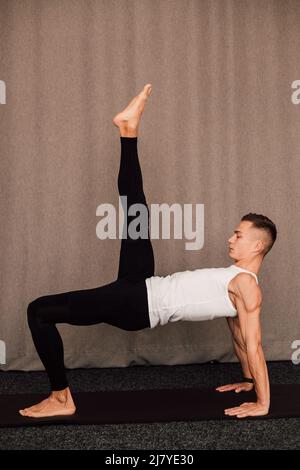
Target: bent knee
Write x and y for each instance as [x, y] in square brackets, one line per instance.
[34, 310]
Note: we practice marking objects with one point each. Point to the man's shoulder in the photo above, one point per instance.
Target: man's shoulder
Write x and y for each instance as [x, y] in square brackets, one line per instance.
[244, 278]
[247, 289]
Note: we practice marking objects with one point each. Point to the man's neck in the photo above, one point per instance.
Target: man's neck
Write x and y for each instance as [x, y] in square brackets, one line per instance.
[252, 265]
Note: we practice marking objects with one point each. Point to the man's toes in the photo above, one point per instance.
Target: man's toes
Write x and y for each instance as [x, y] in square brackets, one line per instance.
[147, 88]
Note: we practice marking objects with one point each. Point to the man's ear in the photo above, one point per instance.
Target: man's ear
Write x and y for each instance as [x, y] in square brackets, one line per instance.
[259, 246]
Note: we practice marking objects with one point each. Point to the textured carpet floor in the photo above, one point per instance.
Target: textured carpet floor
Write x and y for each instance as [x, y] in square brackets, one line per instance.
[234, 434]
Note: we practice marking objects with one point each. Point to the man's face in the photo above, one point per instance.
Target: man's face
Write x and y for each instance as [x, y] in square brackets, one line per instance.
[246, 241]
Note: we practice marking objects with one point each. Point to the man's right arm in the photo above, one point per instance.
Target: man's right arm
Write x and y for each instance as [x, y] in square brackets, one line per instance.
[239, 346]
[240, 352]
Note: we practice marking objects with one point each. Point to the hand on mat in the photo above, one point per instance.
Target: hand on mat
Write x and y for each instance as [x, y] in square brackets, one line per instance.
[247, 409]
[239, 387]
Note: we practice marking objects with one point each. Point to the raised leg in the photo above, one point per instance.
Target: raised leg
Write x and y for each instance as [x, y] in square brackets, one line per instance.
[136, 255]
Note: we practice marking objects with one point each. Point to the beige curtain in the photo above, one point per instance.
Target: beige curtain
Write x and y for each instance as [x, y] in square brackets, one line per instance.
[220, 129]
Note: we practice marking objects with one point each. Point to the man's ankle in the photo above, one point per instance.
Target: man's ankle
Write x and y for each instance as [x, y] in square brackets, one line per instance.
[128, 132]
[127, 135]
[60, 394]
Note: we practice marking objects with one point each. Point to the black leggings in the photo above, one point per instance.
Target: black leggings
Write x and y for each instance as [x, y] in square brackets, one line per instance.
[122, 303]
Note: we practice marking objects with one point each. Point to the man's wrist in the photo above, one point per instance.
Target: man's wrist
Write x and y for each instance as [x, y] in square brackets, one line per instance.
[248, 379]
[265, 404]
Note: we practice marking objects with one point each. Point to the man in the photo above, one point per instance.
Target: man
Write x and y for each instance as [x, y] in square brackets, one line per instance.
[252, 240]
[137, 299]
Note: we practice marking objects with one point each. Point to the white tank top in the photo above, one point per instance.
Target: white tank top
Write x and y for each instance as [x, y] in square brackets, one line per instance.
[201, 294]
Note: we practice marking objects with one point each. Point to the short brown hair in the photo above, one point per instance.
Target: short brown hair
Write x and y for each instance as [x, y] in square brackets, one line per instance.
[264, 223]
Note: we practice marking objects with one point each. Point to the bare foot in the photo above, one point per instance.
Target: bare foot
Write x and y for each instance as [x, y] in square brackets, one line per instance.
[57, 404]
[129, 118]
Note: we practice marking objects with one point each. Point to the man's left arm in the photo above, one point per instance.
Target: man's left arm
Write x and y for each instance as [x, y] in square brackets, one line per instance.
[248, 302]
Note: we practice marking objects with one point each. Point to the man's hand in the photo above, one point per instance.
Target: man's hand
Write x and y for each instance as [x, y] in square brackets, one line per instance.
[247, 409]
[239, 387]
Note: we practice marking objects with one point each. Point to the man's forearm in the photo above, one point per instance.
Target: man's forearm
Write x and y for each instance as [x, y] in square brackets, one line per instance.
[242, 357]
[259, 372]
[239, 346]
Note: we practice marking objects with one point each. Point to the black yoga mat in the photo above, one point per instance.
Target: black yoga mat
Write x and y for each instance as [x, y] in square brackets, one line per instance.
[146, 406]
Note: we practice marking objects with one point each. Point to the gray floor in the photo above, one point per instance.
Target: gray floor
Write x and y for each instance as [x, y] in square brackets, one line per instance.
[239, 434]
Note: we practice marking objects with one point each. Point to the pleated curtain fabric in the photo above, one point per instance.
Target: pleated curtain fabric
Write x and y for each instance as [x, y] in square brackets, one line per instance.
[220, 129]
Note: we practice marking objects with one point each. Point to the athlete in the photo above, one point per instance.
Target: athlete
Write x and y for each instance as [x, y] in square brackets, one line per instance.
[138, 299]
